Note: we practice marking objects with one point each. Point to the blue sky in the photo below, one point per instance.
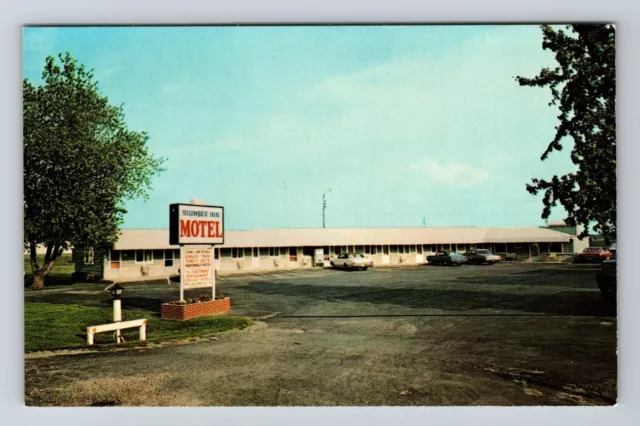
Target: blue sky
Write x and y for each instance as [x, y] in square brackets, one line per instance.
[405, 124]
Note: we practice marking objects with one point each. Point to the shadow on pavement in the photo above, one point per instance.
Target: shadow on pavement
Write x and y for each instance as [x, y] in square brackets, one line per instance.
[572, 303]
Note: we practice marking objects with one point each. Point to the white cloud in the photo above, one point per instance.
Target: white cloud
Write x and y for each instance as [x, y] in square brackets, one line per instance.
[451, 173]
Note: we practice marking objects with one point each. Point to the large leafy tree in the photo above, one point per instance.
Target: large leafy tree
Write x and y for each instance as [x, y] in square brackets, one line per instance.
[81, 163]
[583, 88]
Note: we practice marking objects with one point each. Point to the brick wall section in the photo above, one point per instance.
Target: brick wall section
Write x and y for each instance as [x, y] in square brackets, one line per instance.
[195, 310]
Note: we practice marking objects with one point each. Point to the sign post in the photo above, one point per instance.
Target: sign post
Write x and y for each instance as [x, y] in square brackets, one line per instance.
[196, 228]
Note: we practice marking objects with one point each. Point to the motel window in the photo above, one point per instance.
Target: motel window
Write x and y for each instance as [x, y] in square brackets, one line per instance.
[517, 245]
[237, 253]
[367, 249]
[255, 252]
[419, 248]
[176, 254]
[128, 256]
[88, 256]
[410, 249]
[225, 252]
[400, 249]
[394, 249]
[264, 251]
[144, 256]
[216, 253]
[373, 249]
[114, 259]
[293, 254]
[385, 250]
[501, 248]
[556, 248]
[168, 258]
[427, 248]
[359, 249]
[158, 255]
[274, 251]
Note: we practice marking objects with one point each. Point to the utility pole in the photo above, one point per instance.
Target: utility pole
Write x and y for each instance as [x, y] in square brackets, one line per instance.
[424, 222]
[324, 207]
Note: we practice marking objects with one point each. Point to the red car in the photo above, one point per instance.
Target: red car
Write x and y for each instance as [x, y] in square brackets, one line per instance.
[592, 255]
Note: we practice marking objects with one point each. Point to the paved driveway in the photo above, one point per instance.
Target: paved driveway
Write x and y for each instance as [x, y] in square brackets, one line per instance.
[509, 334]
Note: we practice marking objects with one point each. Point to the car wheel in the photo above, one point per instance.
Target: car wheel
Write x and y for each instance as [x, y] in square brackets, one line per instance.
[365, 268]
[344, 266]
[332, 265]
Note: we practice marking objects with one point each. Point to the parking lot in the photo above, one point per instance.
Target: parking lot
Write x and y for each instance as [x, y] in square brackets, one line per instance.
[507, 334]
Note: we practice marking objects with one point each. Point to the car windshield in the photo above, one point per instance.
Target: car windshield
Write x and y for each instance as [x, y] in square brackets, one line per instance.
[483, 252]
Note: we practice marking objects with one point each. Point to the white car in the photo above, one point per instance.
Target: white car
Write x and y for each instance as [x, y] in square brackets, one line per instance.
[351, 260]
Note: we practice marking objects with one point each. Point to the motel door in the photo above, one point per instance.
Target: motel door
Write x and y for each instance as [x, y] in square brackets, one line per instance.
[216, 259]
[386, 259]
[535, 250]
[255, 258]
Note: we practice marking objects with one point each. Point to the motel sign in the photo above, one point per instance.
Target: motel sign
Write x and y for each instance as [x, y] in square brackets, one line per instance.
[196, 224]
[196, 228]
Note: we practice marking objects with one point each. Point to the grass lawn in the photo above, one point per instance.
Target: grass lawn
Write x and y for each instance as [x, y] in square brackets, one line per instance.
[60, 273]
[54, 326]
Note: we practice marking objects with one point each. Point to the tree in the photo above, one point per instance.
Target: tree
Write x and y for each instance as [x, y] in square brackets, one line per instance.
[81, 163]
[583, 88]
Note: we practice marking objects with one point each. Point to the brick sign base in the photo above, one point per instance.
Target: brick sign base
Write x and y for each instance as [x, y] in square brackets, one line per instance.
[195, 310]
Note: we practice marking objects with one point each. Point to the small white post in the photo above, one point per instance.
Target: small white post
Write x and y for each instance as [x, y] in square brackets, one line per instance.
[143, 331]
[182, 273]
[117, 317]
[213, 273]
[117, 310]
[89, 336]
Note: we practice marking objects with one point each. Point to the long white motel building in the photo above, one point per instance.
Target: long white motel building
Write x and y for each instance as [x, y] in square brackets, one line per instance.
[146, 253]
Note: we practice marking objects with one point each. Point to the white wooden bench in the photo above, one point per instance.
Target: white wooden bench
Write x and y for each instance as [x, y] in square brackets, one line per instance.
[141, 323]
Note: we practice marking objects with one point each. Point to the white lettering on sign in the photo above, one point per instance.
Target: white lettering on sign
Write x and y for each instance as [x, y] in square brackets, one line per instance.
[197, 269]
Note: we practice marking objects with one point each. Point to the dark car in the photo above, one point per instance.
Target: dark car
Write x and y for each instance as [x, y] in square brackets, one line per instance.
[592, 255]
[481, 256]
[607, 279]
[446, 258]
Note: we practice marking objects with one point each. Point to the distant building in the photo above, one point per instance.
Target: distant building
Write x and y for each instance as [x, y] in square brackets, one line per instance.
[575, 245]
[147, 253]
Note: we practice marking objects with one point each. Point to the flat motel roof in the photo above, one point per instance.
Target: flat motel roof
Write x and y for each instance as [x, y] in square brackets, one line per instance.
[131, 239]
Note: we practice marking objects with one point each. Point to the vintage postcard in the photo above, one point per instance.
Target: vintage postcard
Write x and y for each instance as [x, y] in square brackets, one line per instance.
[320, 215]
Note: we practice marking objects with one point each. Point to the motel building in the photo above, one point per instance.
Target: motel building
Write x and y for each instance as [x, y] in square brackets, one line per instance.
[147, 254]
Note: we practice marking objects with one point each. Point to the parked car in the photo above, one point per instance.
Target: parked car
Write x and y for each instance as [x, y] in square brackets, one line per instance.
[446, 258]
[481, 256]
[607, 279]
[592, 255]
[352, 260]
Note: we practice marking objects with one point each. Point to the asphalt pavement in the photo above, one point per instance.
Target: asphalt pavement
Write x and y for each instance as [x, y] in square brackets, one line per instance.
[507, 334]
